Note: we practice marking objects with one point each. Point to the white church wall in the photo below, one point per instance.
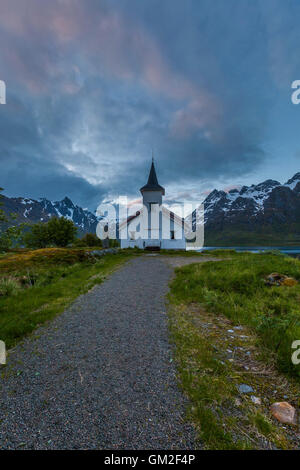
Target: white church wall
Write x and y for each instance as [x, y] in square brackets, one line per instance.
[142, 238]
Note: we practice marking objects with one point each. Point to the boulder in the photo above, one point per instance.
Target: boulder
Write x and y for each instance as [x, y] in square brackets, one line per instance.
[289, 281]
[277, 279]
[284, 412]
[255, 400]
[244, 388]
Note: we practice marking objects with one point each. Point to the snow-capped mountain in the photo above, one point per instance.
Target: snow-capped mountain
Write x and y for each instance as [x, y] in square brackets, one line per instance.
[33, 211]
[262, 212]
[235, 199]
[266, 213]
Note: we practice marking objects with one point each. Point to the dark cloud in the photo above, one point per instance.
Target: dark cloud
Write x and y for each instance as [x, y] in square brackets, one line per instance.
[94, 86]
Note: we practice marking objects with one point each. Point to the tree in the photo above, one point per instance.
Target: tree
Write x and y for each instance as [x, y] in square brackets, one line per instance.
[10, 235]
[89, 239]
[2, 214]
[38, 236]
[113, 243]
[61, 231]
[3, 241]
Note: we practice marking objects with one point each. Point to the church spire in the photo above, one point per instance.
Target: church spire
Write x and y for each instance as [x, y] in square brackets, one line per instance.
[152, 183]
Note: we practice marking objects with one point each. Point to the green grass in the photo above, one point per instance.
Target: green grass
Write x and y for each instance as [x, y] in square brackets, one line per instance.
[235, 288]
[264, 426]
[207, 300]
[8, 286]
[196, 361]
[210, 383]
[36, 290]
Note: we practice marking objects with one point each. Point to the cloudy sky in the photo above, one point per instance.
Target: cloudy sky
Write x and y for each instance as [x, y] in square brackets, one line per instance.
[94, 85]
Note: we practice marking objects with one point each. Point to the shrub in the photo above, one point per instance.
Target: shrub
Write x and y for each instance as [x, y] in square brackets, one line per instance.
[11, 235]
[89, 240]
[2, 214]
[58, 232]
[8, 286]
[38, 236]
[113, 243]
[61, 231]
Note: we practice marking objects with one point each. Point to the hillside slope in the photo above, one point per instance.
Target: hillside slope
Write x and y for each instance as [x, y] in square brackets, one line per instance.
[33, 211]
[266, 213]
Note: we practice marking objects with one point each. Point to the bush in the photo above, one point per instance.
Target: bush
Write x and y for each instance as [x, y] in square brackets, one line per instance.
[113, 243]
[44, 258]
[8, 286]
[38, 237]
[58, 232]
[61, 231]
[88, 240]
[2, 214]
[11, 235]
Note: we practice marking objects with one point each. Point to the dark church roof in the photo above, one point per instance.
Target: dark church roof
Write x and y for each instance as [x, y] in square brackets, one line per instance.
[152, 184]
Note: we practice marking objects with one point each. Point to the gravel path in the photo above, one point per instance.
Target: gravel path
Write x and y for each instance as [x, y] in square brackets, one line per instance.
[100, 375]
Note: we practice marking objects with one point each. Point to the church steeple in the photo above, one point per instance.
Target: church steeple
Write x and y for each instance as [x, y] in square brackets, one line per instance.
[152, 183]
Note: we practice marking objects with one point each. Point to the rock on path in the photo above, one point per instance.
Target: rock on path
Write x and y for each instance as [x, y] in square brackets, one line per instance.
[99, 376]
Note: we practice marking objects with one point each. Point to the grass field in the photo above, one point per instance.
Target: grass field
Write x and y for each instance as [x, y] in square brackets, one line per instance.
[215, 307]
[235, 288]
[228, 329]
[37, 285]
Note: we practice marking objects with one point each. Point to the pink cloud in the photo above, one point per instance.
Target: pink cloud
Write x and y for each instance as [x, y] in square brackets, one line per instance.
[200, 114]
[108, 43]
[229, 188]
[206, 192]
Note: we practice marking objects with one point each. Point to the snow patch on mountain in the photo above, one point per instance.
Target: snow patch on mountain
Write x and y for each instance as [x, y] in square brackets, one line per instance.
[253, 200]
[292, 183]
[41, 210]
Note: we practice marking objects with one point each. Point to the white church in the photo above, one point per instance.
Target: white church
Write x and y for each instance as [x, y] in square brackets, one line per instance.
[153, 227]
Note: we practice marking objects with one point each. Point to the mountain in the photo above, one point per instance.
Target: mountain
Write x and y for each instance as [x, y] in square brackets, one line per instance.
[33, 211]
[266, 213]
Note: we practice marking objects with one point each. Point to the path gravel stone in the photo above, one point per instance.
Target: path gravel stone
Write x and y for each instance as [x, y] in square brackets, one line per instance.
[100, 376]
